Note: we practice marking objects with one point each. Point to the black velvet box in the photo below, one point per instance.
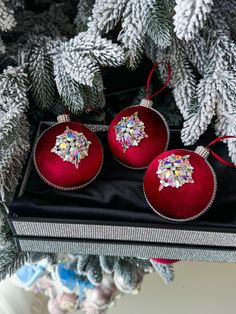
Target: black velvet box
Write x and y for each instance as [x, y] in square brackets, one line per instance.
[112, 217]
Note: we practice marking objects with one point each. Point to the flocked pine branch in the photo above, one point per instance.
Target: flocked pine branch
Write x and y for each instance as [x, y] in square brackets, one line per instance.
[217, 20]
[40, 71]
[14, 145]
[189, 57]
[138, 18]
[108, 263]
[203, 81]
[166, 271]
[132, 35]
[84, 11]
[2, 46]
[14, 141]
[190, 17]
[69, 90]
[183, 78]
[8, 11]
[196, 52]
[11, 161]
[11, 257]
[159, 25]
[13, 101]
[53, 23]
[202, 112]
[226, 125]
[128, 272]
[226, 11]
[94, 96]
[7, 18]
[215, 92]
[77, 69]
[83, 54]
[105, 15]
[89, 266]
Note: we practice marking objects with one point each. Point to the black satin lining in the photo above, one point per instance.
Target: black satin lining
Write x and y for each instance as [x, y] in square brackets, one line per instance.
[117, 194]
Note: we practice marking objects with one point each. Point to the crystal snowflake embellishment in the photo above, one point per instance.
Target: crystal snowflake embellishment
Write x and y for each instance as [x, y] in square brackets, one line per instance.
[71, 146]
[174, 171]
[130, 131]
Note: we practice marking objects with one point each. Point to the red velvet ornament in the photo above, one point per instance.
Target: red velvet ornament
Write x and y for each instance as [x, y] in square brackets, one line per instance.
[62, 174]
[154, 136]
[164, 260]
[192, 198]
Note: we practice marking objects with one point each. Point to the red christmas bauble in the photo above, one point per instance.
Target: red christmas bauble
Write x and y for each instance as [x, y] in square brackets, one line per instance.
[164, 260]
[137, 135]
[68, 156]
[180, 184]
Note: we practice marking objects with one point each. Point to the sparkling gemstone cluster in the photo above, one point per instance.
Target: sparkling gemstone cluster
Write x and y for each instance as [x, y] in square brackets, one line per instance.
[130, 131]
[174, 171]
[71, 146]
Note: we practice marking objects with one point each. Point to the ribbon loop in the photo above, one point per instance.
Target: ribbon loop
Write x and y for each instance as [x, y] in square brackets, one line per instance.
[149, 97]
[220, 159]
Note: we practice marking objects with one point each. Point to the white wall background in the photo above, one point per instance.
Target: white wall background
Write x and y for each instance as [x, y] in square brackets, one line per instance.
[204, 288]
[199, 288]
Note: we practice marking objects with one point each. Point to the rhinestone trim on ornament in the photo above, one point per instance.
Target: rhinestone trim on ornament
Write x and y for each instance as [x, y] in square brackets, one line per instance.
[71, 146]
[174, 171]
[130, 131]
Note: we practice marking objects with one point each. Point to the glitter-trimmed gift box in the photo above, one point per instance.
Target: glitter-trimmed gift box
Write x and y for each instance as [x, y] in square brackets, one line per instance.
[112, 217]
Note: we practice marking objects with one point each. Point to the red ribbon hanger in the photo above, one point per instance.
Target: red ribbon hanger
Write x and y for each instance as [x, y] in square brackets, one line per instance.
[149, 97]
[220, 159]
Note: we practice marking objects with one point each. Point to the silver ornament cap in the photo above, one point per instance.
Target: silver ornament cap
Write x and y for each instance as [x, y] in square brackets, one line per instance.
[63, 118]
[202, 151]
[146, 103]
